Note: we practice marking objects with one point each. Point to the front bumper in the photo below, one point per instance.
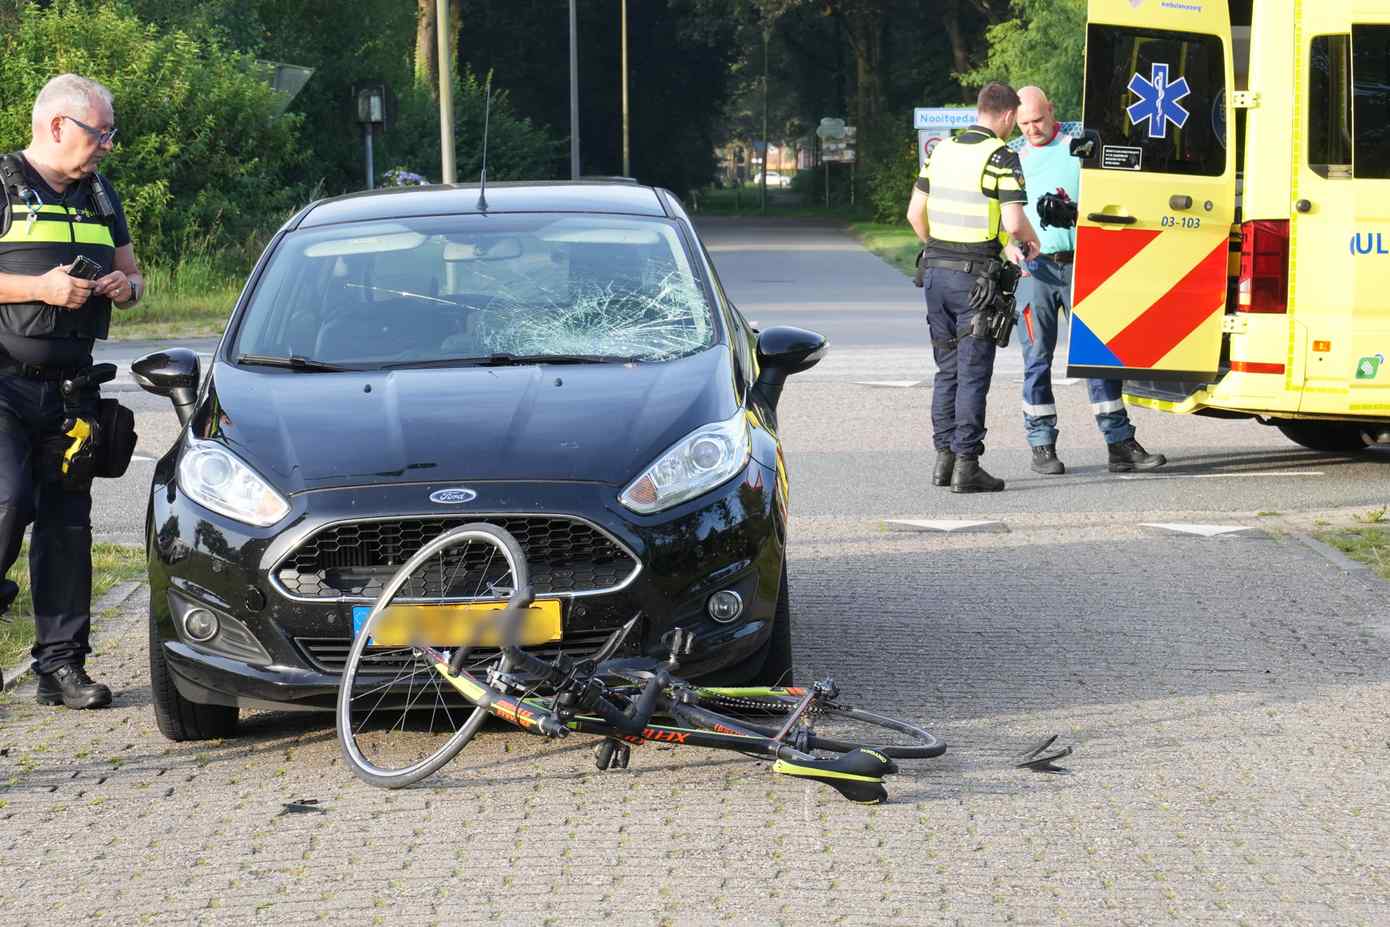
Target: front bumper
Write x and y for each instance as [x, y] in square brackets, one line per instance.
[732, 538]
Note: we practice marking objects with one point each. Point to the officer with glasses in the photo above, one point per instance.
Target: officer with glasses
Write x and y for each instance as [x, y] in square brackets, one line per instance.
[65, 257]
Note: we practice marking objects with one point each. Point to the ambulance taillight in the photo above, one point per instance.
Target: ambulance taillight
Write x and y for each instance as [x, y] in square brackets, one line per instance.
[1264, 267]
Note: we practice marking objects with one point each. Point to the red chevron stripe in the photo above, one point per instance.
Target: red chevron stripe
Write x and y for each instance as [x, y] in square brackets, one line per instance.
[1167, 322]
[1101, 252]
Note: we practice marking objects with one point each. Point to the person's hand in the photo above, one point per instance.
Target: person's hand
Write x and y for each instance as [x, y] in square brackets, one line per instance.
[58, 288]
[1018, 256]
[115, 285]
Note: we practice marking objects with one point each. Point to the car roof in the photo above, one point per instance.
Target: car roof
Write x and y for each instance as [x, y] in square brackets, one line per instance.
[596, 196]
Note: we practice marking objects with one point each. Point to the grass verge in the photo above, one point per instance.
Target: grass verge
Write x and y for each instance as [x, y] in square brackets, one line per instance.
[1370, 545]
[190, 299]
[111, 564]
[897, 244]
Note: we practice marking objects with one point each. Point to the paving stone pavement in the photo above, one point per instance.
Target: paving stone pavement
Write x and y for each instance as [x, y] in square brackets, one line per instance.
[1230, 768]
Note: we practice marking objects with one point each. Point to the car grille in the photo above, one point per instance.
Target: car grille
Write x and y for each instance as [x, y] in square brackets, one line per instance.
[357, 559]
[329, 654]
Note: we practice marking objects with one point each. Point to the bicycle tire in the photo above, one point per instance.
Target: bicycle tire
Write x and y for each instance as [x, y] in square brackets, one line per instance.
[921, 744]
[348, 733]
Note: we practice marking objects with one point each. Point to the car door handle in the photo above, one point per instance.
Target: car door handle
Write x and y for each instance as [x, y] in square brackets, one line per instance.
[1107, 219]
[1179, 201]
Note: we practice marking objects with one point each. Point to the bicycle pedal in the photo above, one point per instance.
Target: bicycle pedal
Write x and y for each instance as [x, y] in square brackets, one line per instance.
[611, 754]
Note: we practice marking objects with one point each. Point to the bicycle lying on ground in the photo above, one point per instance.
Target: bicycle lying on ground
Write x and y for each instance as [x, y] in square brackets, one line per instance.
[442, 650]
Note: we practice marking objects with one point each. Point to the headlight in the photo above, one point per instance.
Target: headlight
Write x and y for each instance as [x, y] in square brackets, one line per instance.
[708, 456]
[214, 477]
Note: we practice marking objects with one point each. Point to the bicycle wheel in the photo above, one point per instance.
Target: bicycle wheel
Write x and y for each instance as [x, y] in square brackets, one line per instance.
[398, 720]
[829, 726]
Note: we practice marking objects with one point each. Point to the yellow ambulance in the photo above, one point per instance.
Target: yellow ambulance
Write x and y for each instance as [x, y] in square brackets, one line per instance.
[1233, 243]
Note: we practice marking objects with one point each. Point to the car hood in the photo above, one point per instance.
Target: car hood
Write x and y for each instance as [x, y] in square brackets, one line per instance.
[601, 423]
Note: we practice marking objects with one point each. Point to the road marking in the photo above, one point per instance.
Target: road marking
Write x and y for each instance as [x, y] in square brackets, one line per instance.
[1206, 531]
[945, 526]
[1219, 476]
[892, 384]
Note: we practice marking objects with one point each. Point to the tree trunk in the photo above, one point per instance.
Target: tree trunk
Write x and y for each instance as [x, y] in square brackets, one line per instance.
[864, 23]
[960, 49]
[427, 43]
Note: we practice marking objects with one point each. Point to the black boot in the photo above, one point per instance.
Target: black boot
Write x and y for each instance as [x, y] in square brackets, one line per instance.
[1045, 460]
[971, 477]
[70, 685]
[1129, 455]
[945, 464]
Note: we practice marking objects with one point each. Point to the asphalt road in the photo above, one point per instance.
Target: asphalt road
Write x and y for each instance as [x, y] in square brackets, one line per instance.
[1226, 698]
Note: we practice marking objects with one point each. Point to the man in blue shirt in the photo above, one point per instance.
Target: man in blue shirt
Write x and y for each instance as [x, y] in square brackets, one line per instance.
[1048, 166]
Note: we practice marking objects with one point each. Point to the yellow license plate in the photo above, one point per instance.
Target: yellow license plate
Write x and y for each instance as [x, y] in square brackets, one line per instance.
[470, 624]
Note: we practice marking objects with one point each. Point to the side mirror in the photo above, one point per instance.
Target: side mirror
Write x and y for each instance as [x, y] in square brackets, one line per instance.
[783, 351]
[173, 373]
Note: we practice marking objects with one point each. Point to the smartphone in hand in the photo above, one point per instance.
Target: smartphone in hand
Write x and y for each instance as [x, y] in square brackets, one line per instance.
[84, 268]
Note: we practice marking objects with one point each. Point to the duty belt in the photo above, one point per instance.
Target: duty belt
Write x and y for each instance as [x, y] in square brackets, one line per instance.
[35, 372]
[973, 268]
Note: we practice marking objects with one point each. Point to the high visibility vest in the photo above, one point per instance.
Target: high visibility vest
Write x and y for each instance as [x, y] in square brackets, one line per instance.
[57, 235]
[957, 209]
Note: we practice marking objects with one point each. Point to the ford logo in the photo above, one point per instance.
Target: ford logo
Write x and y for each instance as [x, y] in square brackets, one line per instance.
[453, 496]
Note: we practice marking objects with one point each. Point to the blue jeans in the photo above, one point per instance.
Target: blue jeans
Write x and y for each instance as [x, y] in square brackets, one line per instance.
[60, 550]
[964, 364]
[1042, 297]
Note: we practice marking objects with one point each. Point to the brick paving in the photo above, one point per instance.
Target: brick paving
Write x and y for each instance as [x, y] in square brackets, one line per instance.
[1230, 768]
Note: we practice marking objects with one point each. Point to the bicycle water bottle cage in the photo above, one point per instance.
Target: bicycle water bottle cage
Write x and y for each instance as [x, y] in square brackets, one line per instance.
[858, 775]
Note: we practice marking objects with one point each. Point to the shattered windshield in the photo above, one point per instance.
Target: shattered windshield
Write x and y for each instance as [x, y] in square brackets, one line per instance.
[472, 288]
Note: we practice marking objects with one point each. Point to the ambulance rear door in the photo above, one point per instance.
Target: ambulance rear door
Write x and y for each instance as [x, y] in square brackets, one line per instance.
[1157, 191]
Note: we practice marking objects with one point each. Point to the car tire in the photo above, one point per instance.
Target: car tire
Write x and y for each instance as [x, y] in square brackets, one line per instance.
[177, 717]
[777, 668]
[1329, 437]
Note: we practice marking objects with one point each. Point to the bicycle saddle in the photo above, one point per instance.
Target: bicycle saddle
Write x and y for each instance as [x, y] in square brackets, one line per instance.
[858, 775]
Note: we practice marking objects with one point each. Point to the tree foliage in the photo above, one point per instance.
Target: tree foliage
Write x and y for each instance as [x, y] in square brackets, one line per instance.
[1043, 44]
[202, 160]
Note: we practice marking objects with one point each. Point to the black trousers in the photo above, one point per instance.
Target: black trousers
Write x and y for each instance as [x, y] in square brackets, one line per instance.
[964, 364]
[60, 550]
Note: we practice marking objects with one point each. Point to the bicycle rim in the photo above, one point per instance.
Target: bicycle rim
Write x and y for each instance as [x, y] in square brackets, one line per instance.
[830, 728]
[398, 720]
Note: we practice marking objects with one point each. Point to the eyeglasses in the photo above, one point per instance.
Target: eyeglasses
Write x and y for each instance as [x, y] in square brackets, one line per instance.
[102, 138]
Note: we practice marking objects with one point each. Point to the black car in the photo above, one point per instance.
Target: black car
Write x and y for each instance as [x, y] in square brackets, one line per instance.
[559, 359]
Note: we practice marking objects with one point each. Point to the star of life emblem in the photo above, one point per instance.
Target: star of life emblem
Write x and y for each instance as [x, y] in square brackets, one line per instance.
[1158, 101]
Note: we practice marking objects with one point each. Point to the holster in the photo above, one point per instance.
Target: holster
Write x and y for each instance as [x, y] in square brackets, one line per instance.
[118, 437]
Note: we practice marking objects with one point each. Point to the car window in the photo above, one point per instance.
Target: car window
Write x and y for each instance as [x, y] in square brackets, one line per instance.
[460, 287]
[1370, 73]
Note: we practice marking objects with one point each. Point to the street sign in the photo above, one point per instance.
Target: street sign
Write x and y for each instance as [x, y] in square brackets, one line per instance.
[840, 149]
[943, 117]
[831, 128]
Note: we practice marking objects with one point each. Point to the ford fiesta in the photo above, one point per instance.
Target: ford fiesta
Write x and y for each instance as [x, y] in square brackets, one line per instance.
[558, 359]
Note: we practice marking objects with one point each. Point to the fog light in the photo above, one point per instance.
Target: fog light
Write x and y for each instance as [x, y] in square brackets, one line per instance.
[200, 624]
[725, 606]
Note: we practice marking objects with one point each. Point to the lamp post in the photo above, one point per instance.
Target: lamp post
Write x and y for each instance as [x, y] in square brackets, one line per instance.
[446, 92]
[371, 111]
[627, 125]
[574, 92]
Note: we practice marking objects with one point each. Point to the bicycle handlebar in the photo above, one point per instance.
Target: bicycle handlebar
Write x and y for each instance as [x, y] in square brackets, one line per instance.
[632, 721]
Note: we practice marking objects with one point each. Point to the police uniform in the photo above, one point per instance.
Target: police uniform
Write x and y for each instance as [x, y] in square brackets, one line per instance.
[967, 179]
[41, 345]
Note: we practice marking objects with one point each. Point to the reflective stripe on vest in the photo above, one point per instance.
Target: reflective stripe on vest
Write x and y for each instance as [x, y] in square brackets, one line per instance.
[56, 224]
[957, 209]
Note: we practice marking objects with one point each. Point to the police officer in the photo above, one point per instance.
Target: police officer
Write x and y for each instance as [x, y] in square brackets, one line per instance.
[1048, 166]
[970, 193]
[59, 209]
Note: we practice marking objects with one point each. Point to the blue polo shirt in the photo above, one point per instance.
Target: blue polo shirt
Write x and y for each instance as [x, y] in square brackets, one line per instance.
[1045, 168]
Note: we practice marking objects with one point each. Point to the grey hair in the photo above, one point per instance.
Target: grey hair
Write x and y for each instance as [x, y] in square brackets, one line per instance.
[68, 92]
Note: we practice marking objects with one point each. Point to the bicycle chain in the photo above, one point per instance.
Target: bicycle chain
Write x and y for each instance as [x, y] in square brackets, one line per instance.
[737, 702]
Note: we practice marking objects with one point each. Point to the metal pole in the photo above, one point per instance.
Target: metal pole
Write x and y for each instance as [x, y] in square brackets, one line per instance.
[574, 93]
[767, 149]
[371, 169]
[446, 92]
[627, 121]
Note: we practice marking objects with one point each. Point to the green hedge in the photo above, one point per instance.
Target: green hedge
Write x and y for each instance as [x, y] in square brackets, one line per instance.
[200, 161]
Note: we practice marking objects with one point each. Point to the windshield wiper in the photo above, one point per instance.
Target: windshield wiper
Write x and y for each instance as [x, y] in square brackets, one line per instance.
[293, 362]
[514, 360]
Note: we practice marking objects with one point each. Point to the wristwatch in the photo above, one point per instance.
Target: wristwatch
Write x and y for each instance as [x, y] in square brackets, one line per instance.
[134, 291]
